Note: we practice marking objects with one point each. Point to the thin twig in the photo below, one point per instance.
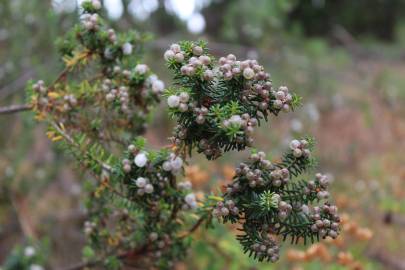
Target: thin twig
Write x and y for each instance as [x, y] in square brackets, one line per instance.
[69, 139]
[194, 227]
[15, 108]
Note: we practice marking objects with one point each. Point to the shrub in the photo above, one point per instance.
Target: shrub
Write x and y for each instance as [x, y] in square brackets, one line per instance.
[138, 208]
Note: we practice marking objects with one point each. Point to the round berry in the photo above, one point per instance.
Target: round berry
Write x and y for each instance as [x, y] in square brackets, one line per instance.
[248, 73]
[140, 160]
[173, 101]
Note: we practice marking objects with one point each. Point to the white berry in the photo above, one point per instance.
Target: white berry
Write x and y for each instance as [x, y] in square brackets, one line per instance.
[140, 160]
[141, 69]
[173, 101]
[140, 182]
[127, 48]
[158, 86]
[169, 54]
[248, 73]
[177, 163]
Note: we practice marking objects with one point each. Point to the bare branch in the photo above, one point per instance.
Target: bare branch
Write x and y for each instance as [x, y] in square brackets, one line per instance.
[194, 227]
[15, 108]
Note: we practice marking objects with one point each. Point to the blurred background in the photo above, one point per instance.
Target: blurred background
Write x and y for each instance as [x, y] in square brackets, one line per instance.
[346, 58]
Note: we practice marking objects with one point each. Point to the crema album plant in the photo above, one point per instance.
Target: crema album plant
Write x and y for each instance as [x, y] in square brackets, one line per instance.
[140, 210]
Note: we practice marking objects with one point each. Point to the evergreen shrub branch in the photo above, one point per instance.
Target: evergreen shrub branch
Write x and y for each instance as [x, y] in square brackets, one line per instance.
[140, 210]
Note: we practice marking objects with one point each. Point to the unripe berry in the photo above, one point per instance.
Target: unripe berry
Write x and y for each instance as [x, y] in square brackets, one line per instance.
[200, 119]
[294, 144]
[236, 70]
[190, 71]
[168, 55]
[175, 48]
[183, 107]
[283, 88]
[224, 211]
[306, 153]
[126, 73]
[278, 104]
[148, 188]
[206, 60]
[332, 234]
[297, 153]
[140, 182]
[131, 148]
[286, 108]
[263, 106]
[222, 61]
[110, 97]
[208, 75]
[280, 95]
[282, 215]
[231, 57]
[184, 97]
[179, 57]
[127, 168]
[197, 50]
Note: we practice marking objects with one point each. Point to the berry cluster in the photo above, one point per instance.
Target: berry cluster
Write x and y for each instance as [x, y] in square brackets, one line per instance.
[193, 63]
[230, 68]
[201, 114]
[90, 21]
[144, 186]
[300, 148]
[326, 221]
[283, 99]
[180, 101]
[260, 173]
[118, 91]
[267, 197]
[41, 91]
[318, 187]
[266, 247]
[148, 87]
[160, 243]
[219, 103]
[226, 208]
[150, 179]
